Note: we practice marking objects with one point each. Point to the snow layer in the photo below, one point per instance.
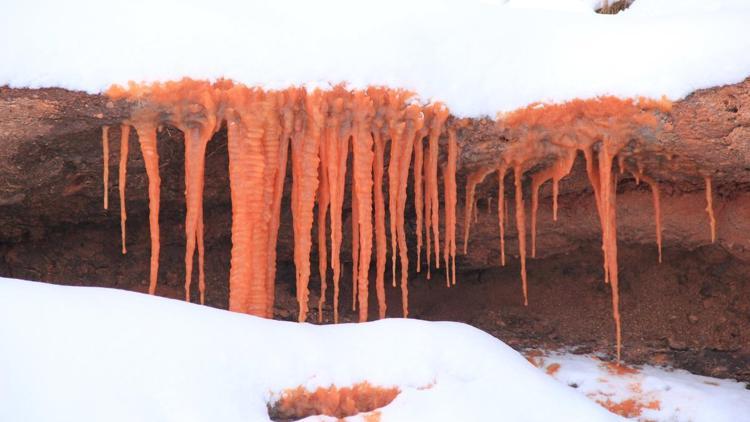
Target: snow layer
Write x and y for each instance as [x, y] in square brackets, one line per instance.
[681, 396]
[478, 56]
[92, 354]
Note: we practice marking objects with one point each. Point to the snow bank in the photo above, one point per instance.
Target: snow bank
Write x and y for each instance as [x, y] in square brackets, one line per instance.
[93, 354]
[478, 56]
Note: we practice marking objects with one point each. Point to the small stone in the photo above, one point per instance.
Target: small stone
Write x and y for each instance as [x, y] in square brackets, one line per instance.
[675, 344]
[110, 104]
[692, 318]
[99, 115]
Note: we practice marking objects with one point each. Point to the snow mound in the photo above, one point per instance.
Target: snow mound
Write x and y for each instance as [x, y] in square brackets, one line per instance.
[93, 354]
[480, 57]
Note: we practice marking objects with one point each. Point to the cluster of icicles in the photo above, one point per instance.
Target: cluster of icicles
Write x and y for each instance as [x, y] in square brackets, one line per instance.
[324, 129]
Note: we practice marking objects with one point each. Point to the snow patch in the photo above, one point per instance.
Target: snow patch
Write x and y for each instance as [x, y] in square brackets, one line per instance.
[480, 57]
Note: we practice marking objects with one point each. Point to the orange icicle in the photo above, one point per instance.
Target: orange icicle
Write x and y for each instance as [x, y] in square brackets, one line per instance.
[608, 194]
[287, 114]
[431, 182]
[195, 155]
[655, 196]
[355, 234]
[105, 164]
[449, 177]
[380, 239]
[472, 181]
[146, 131]
[501, 209]
[559, 169]
[337, 142]
[419, 190]
[710, 208]
[124, 143]
[521, 228]
[305, 161]
[537, 180]
[396, 131]
[323, 202]
[362, 144]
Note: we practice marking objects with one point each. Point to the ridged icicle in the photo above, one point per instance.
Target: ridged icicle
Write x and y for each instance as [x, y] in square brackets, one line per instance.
[362, 148]
[305, 161]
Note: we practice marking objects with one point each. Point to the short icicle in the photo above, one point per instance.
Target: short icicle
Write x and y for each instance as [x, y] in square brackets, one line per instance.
[472, 181]
[655, 197]
[710, 208]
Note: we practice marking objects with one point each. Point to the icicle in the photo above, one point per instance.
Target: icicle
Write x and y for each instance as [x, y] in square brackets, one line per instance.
[396, 130]
[419, 187]
[289, 101]
[521, 228]
[355, 234]
[380, 240]
[431, 182]
[449, 177]
[146, 131]
[195, 153]
[362, 145]
[105, 164]
[323, 202]
[501, 209]
[655, 196]
[594, 179]
[472, 181]
[406, 132]
[305, 161]
[710, 208]
[537, 180]
[555, 193]
[124, 142]
[337, 144]
[608, 192]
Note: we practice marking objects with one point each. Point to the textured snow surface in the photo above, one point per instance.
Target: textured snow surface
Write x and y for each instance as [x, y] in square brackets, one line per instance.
[478, 56]
[84, 354]
[676, 395]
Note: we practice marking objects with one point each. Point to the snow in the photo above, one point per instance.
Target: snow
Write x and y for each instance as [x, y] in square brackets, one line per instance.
[94, 354]
[480, 57]
[681, 396]
[89, 354]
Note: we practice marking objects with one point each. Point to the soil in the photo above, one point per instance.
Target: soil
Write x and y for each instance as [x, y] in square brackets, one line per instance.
[691, 311]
